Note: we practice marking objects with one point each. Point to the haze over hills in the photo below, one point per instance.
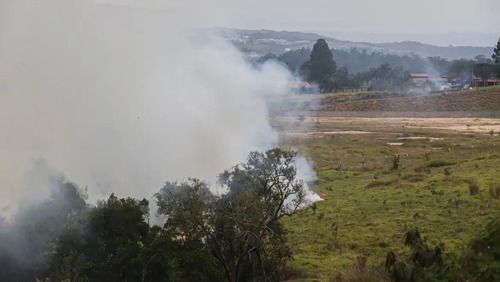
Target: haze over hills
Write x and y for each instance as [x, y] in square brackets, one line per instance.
[260, 42]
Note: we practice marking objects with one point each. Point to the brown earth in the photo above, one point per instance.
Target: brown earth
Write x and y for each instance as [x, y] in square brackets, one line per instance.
[472, 111]
[462, 101]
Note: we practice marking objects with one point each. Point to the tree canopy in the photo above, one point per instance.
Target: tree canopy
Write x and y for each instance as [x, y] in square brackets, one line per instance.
[323, 66]
[320, 68]
[235, 236]
[242, 228]
[496, 53]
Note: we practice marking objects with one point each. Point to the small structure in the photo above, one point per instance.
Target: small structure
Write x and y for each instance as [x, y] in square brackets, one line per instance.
[419, 79]
[478, 81]
[427, 82]
[299, 86]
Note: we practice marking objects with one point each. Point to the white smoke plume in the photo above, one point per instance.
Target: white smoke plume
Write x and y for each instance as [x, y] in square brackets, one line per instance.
[121, 98]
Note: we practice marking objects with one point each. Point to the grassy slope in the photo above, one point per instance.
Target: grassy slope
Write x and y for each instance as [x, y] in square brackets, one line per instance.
[480, 99]
[373, 206]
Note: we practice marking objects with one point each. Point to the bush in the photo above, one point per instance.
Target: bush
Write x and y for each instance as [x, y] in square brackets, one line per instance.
[482, 259]
[473, 188]
[413, 177]
[424, 264]
[495, 191]
[439, 163]
[396, 162]
[379, 183]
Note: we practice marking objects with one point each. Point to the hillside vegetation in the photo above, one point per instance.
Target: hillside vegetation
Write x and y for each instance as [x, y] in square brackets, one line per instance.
[472, 100]
[486, 100]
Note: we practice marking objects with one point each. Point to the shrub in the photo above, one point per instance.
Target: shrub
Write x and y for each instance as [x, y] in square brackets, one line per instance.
[379, 183]
[425, 262]
[439, 163]
[483, 255]
[473, 188]
[396, 162]
[447, 171]
[413, 177]
[495, 191]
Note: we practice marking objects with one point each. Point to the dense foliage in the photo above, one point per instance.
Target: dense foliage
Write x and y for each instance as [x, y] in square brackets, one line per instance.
[236, 236]
[321, 67]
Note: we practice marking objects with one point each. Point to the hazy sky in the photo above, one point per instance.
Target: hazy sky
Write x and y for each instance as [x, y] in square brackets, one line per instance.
[398, 16]
[469, 22]
[440, 22]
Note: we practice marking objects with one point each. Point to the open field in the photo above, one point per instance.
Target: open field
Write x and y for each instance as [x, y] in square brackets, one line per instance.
[368, 206]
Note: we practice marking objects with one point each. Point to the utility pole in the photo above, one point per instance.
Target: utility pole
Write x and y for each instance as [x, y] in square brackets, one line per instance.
[472, 76]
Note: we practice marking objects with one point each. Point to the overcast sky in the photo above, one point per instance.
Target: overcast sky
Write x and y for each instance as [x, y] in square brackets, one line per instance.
[381, 17]
[378, 20]
[423, 16]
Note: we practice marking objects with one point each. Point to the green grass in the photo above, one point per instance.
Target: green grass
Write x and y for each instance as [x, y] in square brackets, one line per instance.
[372, 206]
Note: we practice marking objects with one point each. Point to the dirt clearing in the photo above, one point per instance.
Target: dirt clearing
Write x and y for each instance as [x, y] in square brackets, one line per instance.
[370, 125]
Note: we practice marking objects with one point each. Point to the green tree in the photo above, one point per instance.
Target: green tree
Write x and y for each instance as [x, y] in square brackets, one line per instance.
[321, 65]
[115, 235]
[241, 229]
[27, 244]
[496, 53]
[295, 58]
[342, 79]
[261, 192]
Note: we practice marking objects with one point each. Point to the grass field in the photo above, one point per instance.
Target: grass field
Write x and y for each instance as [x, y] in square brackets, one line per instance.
[442, 186]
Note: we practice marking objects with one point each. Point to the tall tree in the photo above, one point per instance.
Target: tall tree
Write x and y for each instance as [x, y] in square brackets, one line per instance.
[116, 231]
[496, 53]
[322, 66]
[242, 229]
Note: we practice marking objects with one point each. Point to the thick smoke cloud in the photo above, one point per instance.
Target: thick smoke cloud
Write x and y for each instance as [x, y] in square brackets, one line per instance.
[121, 98]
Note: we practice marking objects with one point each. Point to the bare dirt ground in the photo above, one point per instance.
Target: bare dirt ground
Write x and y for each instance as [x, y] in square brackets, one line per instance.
[371, 125]
[478, 125]
[464, 112]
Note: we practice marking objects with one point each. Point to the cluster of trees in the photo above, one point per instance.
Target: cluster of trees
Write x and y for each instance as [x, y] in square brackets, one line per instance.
[377, 71]
[237, 236]
[478, 261]
[322, 69]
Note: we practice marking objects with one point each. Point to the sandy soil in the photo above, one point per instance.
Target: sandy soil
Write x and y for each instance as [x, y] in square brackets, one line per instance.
[481, 125]
[340, 125]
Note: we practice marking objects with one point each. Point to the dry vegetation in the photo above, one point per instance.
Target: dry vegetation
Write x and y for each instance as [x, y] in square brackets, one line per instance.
[486, 100]
[443, 102]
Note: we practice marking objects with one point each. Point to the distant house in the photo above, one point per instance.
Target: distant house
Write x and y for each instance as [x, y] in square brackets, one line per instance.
[477, 81]
[419, 79]
[424, 80]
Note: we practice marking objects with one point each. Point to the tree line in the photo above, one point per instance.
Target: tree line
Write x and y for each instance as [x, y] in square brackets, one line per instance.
[335, 70]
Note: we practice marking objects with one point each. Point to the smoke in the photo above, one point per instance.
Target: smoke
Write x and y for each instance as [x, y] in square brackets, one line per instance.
[121, 98]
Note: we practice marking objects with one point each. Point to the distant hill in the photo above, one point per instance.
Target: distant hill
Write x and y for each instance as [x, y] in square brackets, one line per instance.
[261, 42]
